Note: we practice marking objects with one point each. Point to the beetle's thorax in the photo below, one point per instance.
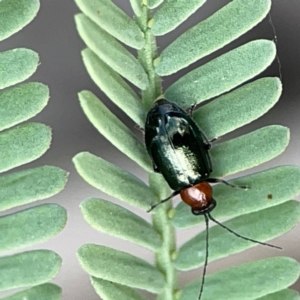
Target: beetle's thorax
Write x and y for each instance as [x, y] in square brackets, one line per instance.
[163, 107]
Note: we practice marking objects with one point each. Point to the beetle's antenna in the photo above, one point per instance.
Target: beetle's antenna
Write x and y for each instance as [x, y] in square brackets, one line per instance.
[206, 257]
[163, 201]
[238, 235]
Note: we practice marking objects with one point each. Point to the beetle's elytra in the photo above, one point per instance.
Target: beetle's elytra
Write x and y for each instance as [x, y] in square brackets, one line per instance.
[179, 151]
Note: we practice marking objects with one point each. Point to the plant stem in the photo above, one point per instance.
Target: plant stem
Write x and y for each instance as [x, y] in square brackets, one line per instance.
[160, 218]
[162, 224]
[146, 56]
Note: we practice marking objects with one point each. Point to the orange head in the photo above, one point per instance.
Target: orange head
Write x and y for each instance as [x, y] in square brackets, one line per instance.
[199, 198]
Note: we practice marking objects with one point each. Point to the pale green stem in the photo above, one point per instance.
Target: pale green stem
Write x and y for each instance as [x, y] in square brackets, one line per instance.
[160, 217]
[146, 57]
[162, 224]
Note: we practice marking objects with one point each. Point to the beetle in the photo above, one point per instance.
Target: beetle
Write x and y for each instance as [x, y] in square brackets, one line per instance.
[179, 151]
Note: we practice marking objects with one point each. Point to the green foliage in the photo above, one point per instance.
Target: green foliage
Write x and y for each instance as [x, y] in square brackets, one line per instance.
[17, 65]
[14, 15]
[136, 6]
[30, 185]
[34, 97]
[31, 226]
[33, 267]
[114, 130]
[227, 24]
[111, 51]
[254, 148]
[97, 213]
[111, 290]
[172, 13]
[222, 73]
[34, 140]
[101, 174]
[239, 107]
[120, 267]
[245, 281]
[116, 274]
[223, 243]
[113, 20]
[114, 86]
[154, 3]
[282, 295]
[20, 145]
[47, 291]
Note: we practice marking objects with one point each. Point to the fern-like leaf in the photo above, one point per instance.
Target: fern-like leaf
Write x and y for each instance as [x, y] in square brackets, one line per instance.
[115, 274]
[21, 144]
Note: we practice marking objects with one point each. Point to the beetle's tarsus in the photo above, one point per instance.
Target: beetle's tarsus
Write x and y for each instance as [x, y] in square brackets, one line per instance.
[192, 109]
[139, 128]
[155, 168]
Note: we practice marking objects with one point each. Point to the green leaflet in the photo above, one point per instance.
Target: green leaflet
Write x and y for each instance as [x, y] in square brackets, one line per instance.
[120, 267]
[28, 268]
[262, 226]
[23, 144]
[111, 291]
[21, 103]
[17, 65]
[47, 291]
[98, 213]
[15, 14]
[113, 181]
[111, 83]
[113, 20]
[153, 3]
[31, 226]
[111, 51]
[222, 73]
[220, 29]
[239, 107]
[245, 281]
[171, 14]
[30, 185]
[267, 188]
[248, 150]
[136, 7]
[114, 130]
[282, 295]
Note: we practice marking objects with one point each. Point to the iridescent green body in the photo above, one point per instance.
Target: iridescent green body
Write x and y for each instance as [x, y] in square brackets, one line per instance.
[178, 148]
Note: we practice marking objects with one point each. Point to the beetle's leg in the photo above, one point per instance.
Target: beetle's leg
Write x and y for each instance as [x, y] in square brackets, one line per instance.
[139, 128]
[192, 109]
[215, 180]
[208, 143]
[155, 168]
[164, 200]
[213, 140]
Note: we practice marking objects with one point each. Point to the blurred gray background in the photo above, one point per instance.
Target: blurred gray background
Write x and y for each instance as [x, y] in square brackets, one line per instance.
[52, 34]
